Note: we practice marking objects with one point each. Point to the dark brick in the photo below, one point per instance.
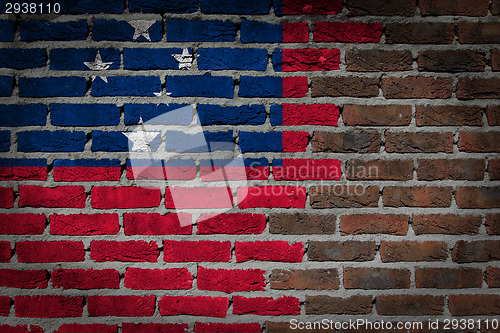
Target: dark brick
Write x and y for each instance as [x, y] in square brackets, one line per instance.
[341, 251]
[448, 115]
[376, 115]
[374, 224]
[323, 304]
[301, 224]
[448, 278]
[163, 6]
[317, 279]
[344, 86]
[378, 60]
[495, 60]
[476, 251]
[420, 33]
[470, 305]
[468, 88]
[479, 32]
[478, 197]
[45, 30]
[417, 87]
[493, 224]
[408, 251]
[379, 170]
[479, 142]
[356, 141]
[412, 305]
[449, 224]
[343, 196]
[384, 8]
[376, 278]
[416, 196]
[242, 7]
[430, 142]
[493, 115]
[454, 7]
[492, 277]
[451, 61]
[22, 58]
[456, 169]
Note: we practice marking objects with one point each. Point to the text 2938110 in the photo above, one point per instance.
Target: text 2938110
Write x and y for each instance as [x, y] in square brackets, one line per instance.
[32, 8]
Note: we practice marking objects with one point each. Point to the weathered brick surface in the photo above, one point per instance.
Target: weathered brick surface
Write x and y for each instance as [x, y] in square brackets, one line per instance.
[320, 279]
[448, 278]
[378, 60]
[376, 278]
[387, 115]
[324, 304]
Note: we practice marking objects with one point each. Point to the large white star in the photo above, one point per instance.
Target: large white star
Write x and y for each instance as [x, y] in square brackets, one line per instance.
[141, 28]
[98, 65]
[141, 140]
[185, 59]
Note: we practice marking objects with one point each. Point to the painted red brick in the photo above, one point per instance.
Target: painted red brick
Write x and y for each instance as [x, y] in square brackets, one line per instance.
[324, 7]
[23, 279]
[86, 279]
[6, 197]
[308, 169]
[295, 86]
[20, 329]
[5, 251]
[295, 32]
[269, 251]
[198, 251]
[194, 306]
[84, 224]
[87, 174]
[130, 251]
[295, 141]
[121, 306]
[124, 197]
[232, 224]
[230, 280]
[198, 197]
[23, 173]
[310, 114]
[157, 224]
[4, 306]
[22, 224]
[85, 328]
[48, 306]
[303, 60]
[57, 197]
[271, 197]
[151, 279]
[347, 32]
[266, 306]
[227, 328]
[56, 251]
[151, 327]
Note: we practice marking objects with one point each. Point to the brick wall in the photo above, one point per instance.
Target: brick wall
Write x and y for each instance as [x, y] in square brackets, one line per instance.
[371, 131]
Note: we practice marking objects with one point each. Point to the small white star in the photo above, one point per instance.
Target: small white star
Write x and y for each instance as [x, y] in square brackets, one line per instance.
[141, 140]
[141, 28]
[185, 59]
[98, 65]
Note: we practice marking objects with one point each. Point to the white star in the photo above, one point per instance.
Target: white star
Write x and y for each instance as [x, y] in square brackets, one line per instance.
[98, 65]
[141, 140]
[185, 59]
[141, 28]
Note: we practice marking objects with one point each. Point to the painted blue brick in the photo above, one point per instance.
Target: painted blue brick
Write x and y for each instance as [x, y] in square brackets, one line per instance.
[23, 162]
[256, 162]
[180, 30]
[276, 115]
[109, 141]
[163, 6]
[23, 115]
[278, 7]
[45, 30]
[84, 114]
[278, 60]
[158, 114]
[261, 142]
[123, 31]
[278, 162]
[6, 85]
[7, 30]
[56, 141]
[126, 86]
[65, 86]
[87, 163]
[22, 58]
[262, 86]
[92, 6]
[201, 86]
[4, 140]
[231, 115]
[181, 142]
[226, 58]
[73, 59]
[261, 32]
[245, 7]
[138, 58]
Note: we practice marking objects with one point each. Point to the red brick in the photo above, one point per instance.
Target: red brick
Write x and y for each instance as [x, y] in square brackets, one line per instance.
[57, 197]
[492, 224]
[449, 224]
[420, 33]
[310, 114]
[479, 32]
[493, 114]
[374, 224]
[476, 251]
[157, 224]
[294, 141]
[230, 280]
[416, 196]
[295, 32]
[86, 174]
[300, 60]
[448, 278]
[194, 306]
[227, 328]
[477, 197]
[318, 279]
[121, 306]
[454, 7]
[384, 8]
[301, 224]
[86, 279]
[376, 278]
[198, 197]
[124, 197]
[495, 7]
[353, 141]
[307, 169]
[495, 60]
[470, 305]
[456, 169]
[347, 32]
[5, 251]
[324, 304]
[479, 142]
[151, 327]
[420, 142]
[84, 224]
[151, 279]
[453, 61]
[271, 197]
[6, 197]
[130, 251]
[343, 196]
[341, 251]
[416, 87]
[446, 115]
[4, 306]
[266, 306]
[40, 251]
[20, 329]
[295, 86]
[323, 7]
[492, 277]
[23, 279]
[22, 224]
[480, 88]
[376, 115]
[269, 251]
[341, 86]
[379, 170]
[48, 306]
[198, 251]
[378, 60]
[23, 173]
[83, 328]
[494, 169]
[413, 251]
[413, 305]
[232, 224]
